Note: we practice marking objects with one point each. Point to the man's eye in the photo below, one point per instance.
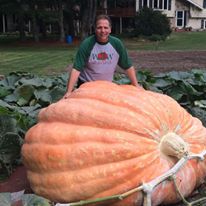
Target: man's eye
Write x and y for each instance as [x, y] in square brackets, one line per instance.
[102, 27]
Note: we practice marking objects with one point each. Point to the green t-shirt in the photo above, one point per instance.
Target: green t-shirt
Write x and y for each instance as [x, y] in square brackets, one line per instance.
[98, 61]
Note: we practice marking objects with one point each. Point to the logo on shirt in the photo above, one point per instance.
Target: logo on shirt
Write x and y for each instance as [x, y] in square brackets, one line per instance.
[102, 56]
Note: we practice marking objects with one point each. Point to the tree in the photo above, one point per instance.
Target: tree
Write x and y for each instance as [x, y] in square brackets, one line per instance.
[42, 13]
[88, 13]
[150, 22]
[15, 7]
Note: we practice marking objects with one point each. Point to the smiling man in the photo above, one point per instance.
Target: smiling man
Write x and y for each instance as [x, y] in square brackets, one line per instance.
[98, 57]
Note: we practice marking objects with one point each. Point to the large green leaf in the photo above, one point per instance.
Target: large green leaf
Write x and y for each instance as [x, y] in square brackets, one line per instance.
[10, 147]
[200, 103]
[124, 80]
[11, 98]
[162, 83]
[199, 113]
[179, 75]
[10, 81]
[4, 91]
[7, 124]
[27, 199]
[5, 199]
[189, 89]
[199, 75]
[43, 96]
[175, 92]
[56, 94]
[34, 200]
[24, 94]
[10, 144]
[37, 82]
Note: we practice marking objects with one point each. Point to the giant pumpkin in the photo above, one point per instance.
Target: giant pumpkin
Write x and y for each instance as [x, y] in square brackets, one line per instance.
[106, 139]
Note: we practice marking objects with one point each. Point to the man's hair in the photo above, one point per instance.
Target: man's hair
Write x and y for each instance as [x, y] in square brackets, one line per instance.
[103, 16]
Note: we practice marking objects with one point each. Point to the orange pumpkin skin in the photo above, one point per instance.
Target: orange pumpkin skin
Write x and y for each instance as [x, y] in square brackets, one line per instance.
[104, 140]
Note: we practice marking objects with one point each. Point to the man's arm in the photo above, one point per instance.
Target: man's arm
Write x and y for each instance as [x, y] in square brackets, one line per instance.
[72, 81]
[132, 76]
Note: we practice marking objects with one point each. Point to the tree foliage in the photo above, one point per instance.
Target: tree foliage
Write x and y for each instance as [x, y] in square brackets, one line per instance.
[150, 22]
[59, 13]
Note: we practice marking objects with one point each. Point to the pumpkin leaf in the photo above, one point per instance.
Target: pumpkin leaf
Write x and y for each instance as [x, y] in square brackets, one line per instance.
[199, 75]
[162, 83]
[34, 200]
[11, 80]
[10, 147]
[24, 94]
[5, 199]
[11, 98]
[4, 92]
[37, 82]
[199, 113]
[175, 92]
[179, 76]
[43, 96]
[10, 144]
[27, 200]
[189, 89]
[200, 103]
[56, 94]
[3, 107]
[7, 124]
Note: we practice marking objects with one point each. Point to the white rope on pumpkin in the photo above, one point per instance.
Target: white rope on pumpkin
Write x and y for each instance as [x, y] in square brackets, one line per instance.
[147, 188]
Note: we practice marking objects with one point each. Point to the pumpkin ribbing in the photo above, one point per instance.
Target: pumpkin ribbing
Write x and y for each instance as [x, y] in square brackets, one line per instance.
[105, 139]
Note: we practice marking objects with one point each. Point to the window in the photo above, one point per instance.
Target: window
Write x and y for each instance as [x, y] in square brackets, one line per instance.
[145, 3]
[169, 5]
[203, 24]
[165, 4]
[160, 4]
[156, 4]
[180, 18]
[204, 4]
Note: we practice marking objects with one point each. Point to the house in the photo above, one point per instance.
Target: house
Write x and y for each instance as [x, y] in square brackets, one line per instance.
[183, 14]
[121, 13]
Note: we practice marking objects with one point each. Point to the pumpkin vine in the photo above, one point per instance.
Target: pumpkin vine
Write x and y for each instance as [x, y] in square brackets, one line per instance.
[147, 188]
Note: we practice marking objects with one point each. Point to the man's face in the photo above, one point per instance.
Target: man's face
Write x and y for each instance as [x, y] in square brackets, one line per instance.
[102, 30]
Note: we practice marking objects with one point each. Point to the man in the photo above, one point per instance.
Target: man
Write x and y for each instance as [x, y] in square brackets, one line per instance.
[98, 57]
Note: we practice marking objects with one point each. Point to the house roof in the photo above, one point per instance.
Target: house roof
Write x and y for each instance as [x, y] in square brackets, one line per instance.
[195, 4]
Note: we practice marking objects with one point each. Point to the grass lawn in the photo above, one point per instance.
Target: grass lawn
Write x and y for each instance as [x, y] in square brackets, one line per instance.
[42, 59]
[176, 41]
[52, 58]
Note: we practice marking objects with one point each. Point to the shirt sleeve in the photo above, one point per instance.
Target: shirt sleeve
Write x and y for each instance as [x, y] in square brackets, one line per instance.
[80, 58]
[124, 61]
[83, 53]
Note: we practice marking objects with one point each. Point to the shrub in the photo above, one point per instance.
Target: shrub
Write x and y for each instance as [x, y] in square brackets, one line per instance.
[150, 22]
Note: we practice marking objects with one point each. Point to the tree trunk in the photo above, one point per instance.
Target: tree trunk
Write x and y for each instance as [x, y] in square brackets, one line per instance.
[88, 16]
[21, 26]
[35, 28]
[61, 22]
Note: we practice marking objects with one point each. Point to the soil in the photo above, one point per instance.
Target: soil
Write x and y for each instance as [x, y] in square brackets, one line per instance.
[161, 61]
[16, 182]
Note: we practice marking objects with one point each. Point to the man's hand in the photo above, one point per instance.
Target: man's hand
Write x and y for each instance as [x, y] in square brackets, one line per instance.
[67, 95]
[140, 87]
